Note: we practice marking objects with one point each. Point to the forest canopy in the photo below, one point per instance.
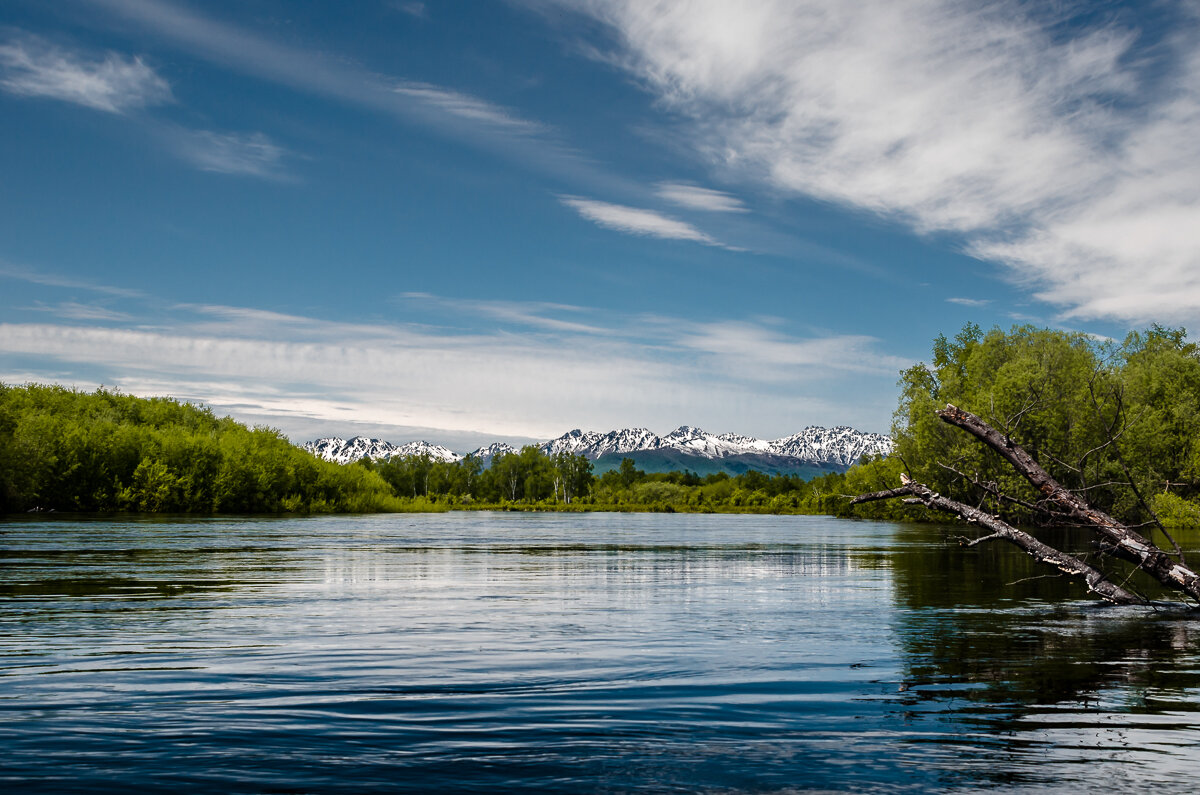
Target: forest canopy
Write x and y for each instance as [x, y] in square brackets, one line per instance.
[1118, 422]
[67, 450]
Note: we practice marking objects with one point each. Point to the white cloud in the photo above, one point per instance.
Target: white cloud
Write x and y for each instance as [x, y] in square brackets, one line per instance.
[417, 10]
[636, 221]
[696, 198]
[758, 352]
[453, 113]
[115, 83]
[522, 378]
[509, 386]
[470, 108]
[72, 310]
[247, 154]
[533, 314]
[21, 273]
[1069, 154]
[973, 302]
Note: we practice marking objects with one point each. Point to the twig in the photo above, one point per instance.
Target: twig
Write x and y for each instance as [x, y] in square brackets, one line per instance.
[1036, 577]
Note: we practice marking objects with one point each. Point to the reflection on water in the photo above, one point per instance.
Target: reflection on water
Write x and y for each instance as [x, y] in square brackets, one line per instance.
[1061, 687]
[571, 653]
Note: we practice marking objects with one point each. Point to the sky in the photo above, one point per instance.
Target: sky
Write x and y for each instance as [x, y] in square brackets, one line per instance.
[476, 221]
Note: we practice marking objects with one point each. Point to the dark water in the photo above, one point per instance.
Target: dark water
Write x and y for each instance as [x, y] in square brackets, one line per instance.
[589, 653]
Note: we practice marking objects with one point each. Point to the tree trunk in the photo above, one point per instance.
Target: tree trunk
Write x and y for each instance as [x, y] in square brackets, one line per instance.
[1095, 579]
[1129, 544]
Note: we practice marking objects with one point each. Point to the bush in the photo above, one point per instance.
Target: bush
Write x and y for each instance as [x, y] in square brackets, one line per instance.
[1174, 511]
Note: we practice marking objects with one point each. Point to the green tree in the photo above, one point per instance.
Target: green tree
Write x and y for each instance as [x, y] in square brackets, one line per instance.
[509, 476]
[1117, 421]
[629, 473]
[572, 475]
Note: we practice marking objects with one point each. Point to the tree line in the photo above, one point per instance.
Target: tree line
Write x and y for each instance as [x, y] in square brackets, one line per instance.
[67, 450]
[533, 479]
[527, 476]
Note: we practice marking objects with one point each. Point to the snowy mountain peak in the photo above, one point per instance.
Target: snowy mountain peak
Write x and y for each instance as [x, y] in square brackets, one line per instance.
[747, 443]
[698, 441]
[345, 451]
[841, 445]
[486, 454]
[572, 442]
[434, 451]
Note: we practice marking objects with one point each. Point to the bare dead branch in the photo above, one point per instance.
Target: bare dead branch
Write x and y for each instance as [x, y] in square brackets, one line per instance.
[887, 494]
[991, 488]
[1095, 579]
[1032, 401]
[1099, 486]
[1062, 463]
[1150, 558]
[976, 541]
[1112, 438]
[1036, 577]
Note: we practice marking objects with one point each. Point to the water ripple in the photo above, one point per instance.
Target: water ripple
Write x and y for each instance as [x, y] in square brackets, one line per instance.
[581, 653]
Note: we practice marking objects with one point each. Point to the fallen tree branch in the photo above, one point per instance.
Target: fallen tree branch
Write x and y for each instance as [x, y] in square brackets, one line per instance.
[994, 491]
[1144, 553]
[1095, 579]
[886, 494]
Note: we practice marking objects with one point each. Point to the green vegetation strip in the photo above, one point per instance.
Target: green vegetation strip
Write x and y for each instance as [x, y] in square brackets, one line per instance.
[1118, 422]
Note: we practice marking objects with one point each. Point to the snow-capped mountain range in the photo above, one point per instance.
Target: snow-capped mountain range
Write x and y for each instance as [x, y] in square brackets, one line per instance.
[840, 446]
[343, 451]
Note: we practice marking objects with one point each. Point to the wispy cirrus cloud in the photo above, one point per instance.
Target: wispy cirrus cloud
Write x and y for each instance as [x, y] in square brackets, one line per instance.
[974, 302]
[34, 276]
[246, 154]
[74, 310]
[114, 83]
[117, 83]
[468, 107]
[759, 351]
[636, 221]
[455, 113]
[531, 314]
[1061, 146]
[695, 197]
[417, 10]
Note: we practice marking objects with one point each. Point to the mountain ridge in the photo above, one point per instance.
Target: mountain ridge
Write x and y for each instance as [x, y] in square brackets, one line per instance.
[840, 446]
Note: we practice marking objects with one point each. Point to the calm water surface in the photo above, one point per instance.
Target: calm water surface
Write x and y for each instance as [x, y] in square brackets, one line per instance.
[572, 653]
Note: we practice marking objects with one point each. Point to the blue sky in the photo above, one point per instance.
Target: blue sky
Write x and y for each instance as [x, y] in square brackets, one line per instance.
[468, 221]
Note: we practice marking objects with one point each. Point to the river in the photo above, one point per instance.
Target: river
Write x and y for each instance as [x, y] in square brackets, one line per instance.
[483, 652]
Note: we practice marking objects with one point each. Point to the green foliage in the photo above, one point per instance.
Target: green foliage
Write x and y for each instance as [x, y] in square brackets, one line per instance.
[1119, 421]
[67, 450]
[1175, 512]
